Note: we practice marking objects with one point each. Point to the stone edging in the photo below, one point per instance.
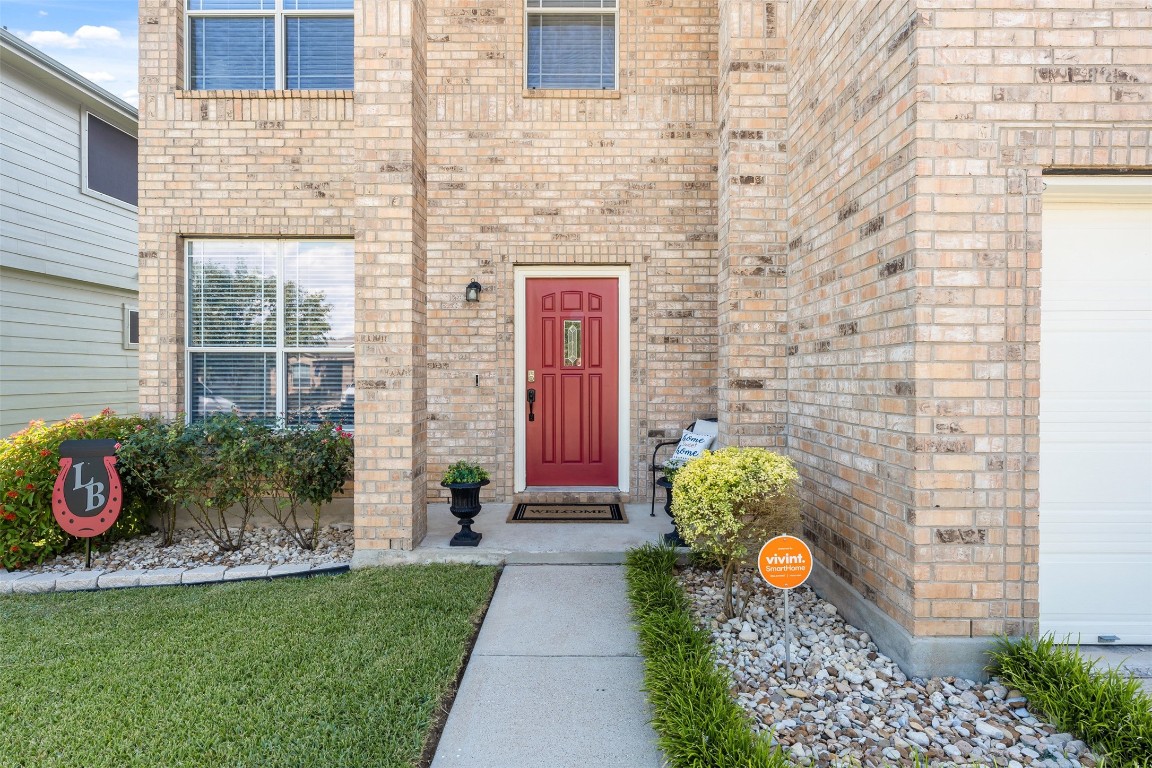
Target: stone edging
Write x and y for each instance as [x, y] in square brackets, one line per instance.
[84, 581]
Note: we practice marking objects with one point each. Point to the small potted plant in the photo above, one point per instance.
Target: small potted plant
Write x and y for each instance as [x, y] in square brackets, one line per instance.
[465, 479]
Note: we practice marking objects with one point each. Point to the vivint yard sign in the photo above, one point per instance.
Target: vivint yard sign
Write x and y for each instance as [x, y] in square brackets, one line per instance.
[785, 562]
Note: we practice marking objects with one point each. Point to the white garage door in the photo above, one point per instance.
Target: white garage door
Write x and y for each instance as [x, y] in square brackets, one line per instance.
[1096, 410]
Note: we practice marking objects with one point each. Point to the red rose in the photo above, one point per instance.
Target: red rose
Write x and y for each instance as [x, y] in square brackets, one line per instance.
[44, 452]
[30, 487]
[19, 473]
[15, 548]
[9, 516]
[12, 494]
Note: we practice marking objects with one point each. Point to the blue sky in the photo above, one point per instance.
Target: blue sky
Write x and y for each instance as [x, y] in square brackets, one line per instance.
[96, 38]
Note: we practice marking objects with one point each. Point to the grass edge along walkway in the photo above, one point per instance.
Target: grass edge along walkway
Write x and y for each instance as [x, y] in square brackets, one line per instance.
[697, 722]
[334, 671]
[1102, 706]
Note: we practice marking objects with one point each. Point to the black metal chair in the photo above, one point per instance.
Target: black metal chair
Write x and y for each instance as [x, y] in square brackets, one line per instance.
[656, 467]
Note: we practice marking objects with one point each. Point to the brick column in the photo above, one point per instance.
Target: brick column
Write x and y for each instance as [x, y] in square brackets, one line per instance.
[161, 268]
[753, 242]
[391, 202]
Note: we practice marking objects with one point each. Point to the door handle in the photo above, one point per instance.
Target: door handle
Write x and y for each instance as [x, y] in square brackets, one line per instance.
[531, 404]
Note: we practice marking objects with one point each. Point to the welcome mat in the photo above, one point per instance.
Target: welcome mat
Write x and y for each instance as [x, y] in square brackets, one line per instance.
[567, 513]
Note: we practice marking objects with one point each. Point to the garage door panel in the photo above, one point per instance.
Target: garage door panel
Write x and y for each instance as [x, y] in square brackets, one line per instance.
[1096, 412]
[1091, 363]
[1105, 476]
[1122, 531]
[1071, 582]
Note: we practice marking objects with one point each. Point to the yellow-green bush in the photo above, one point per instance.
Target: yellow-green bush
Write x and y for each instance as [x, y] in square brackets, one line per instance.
[727, 503]
[29, 463]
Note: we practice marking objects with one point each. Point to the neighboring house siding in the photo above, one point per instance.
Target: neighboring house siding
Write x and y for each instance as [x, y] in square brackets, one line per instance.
[67, 261]
[52, 330]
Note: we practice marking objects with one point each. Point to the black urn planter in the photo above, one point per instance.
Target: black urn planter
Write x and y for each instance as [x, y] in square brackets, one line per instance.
[465, 507]
[673, 537]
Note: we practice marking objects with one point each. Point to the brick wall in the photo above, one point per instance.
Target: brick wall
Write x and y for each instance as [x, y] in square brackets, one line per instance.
[851, 290]
[222, 163]
[1004, 94]
[918, 140]
[391, 266]
[752, 272]
[520, 177]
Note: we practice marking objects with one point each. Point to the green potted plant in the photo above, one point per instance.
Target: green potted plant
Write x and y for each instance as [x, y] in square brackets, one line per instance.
[465, 479]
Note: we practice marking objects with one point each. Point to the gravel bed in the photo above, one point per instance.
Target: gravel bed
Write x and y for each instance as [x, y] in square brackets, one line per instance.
[849, 704]
[192, 549]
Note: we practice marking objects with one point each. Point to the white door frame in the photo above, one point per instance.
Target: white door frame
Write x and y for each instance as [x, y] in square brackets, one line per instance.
[624, 376]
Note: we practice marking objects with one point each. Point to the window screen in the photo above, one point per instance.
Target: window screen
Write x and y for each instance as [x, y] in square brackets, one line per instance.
[270, 44]
[271, 329]
[319, 53]
[111, 161]
[233, 53]
[570, 50]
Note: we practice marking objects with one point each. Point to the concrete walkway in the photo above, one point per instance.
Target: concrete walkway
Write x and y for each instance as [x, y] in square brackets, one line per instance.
[555, 678]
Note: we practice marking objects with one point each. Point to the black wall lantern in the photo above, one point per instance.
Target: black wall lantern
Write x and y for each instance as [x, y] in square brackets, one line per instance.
[472, 292]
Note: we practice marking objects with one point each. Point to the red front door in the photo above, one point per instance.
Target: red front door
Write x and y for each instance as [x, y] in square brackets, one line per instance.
[572, 344]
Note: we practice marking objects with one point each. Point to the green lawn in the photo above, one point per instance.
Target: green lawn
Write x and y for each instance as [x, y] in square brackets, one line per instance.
[328, 671]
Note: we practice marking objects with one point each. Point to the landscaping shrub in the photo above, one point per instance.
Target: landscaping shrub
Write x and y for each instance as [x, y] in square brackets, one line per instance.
[149, 458]
[698, 723]
[1101, 706]
[727, 503]
[227, 461]
[308, 468]
[29, 464]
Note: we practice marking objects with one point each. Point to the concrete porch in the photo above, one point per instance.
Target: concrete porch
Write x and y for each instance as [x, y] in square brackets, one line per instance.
[518, 543]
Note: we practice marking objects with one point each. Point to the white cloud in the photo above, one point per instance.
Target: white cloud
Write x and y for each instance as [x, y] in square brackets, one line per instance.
[99, 77]
[52, 39]
[79, 39]
[42, 13]
[103, 34]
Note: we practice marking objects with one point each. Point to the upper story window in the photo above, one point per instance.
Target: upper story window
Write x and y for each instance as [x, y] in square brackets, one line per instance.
[571, 44]
[270, 44]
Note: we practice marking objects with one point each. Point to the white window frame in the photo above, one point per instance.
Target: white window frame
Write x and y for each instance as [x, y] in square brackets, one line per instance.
[127, 310]
[280, 14]
[614, 11]
[85, 114]
[280, 349]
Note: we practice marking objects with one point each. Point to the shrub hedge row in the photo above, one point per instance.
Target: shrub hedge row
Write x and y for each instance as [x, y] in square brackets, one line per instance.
[222, 463]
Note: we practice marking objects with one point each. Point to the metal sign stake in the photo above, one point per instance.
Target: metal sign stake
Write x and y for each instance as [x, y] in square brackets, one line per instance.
[787, 643]
[88, 554]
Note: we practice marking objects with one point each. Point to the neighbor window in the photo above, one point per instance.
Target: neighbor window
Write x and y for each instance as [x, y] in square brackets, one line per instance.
[109, 163]
[131, 329]
[270, 44]
[270, 330]
[571, 44]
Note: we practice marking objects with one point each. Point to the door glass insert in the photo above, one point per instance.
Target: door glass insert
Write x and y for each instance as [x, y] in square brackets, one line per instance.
[572, 342]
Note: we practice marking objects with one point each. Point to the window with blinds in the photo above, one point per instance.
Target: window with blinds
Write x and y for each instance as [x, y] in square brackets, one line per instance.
[570, 44]
[270, 44]
[270, 330]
